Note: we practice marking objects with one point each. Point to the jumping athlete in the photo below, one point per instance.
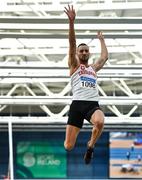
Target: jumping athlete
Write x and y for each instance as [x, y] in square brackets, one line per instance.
[84, 88]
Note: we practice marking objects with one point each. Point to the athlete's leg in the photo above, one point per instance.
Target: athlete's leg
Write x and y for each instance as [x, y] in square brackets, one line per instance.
[97, 119]
[71, 136]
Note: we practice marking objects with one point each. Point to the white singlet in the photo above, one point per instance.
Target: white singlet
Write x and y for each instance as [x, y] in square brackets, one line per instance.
[84, 84]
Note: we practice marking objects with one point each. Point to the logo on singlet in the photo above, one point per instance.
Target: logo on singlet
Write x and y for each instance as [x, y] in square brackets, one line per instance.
[84, 70]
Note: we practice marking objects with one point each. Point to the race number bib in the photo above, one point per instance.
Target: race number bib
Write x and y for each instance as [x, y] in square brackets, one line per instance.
[87, 82]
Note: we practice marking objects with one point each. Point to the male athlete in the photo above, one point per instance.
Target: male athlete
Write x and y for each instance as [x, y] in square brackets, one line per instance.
[84, 88]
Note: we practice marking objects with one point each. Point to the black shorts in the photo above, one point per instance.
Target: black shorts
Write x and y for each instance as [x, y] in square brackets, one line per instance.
[80, 110]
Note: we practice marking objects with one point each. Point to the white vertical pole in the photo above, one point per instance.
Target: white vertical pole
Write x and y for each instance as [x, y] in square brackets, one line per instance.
[11, 169]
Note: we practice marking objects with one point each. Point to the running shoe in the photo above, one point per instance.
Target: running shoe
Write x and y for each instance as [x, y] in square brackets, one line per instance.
[88, 155]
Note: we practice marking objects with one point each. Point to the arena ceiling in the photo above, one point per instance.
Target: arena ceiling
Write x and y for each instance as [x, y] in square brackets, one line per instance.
[34, 77]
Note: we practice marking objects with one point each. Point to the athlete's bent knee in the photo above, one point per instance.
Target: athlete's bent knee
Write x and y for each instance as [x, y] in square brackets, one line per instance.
[100, 123]
[68, 146]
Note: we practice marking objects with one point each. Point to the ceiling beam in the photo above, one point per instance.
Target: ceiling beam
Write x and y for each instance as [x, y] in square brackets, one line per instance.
[79, 20]
[80, 6]
[65, 36]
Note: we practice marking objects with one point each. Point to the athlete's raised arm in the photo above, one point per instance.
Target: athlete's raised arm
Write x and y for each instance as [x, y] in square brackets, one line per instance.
[104, 53]
[72, 61]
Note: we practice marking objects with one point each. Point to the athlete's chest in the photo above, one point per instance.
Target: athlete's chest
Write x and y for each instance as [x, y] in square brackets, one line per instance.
[87, 77]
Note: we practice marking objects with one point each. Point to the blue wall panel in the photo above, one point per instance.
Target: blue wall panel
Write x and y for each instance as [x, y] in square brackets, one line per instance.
[75, 166]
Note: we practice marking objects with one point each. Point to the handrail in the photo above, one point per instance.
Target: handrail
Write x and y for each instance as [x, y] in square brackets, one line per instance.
[63, 72]
[66, 100]
[53, 120]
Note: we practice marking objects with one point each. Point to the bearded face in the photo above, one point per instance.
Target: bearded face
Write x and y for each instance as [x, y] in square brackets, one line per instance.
[83, 53]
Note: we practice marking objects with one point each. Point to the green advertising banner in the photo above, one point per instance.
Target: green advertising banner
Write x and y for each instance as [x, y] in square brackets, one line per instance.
[41, 159]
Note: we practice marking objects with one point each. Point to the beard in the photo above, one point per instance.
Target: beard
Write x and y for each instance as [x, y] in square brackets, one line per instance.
[84, 59]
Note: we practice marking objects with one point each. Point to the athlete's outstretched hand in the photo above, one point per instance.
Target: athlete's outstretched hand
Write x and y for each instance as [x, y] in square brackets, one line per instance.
[70, 12]
[100, 35]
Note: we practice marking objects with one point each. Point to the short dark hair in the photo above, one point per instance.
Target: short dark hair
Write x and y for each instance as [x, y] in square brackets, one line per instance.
[82, 44]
